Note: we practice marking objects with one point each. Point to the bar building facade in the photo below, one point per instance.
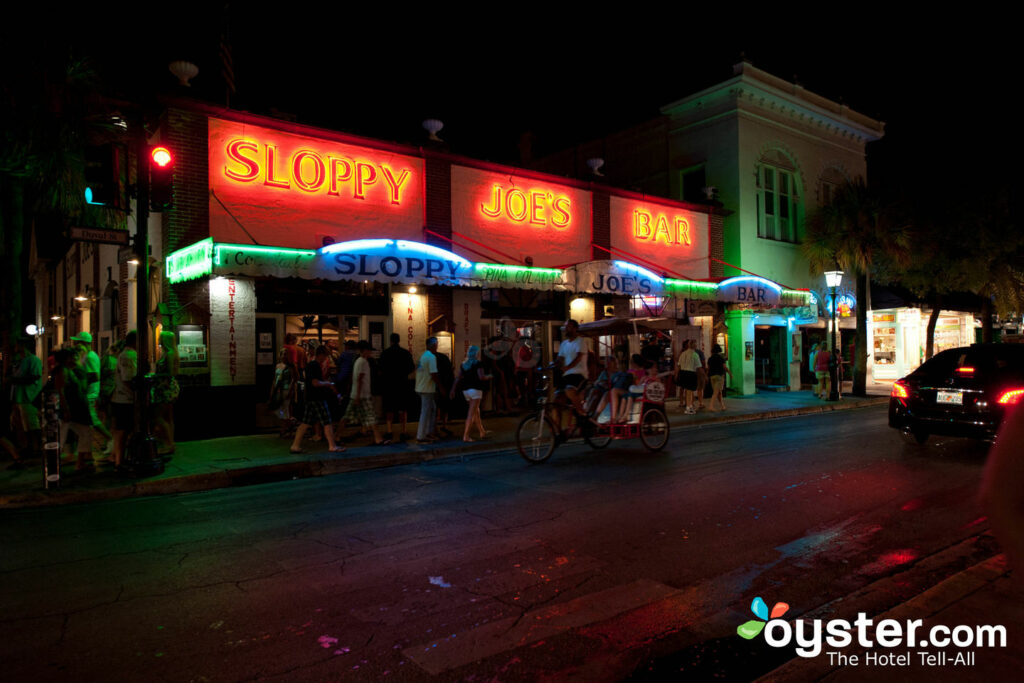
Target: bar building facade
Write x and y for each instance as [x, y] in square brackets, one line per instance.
[281, 228]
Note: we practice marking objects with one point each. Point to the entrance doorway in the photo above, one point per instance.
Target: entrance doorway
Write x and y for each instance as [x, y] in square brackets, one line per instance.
[770, 366]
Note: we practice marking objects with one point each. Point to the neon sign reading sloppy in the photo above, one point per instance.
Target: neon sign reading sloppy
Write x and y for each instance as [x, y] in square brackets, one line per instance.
[651, 228]
[538, 208]
[312, 172]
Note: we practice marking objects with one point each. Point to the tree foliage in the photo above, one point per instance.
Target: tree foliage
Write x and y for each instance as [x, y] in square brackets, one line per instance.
[858, 231]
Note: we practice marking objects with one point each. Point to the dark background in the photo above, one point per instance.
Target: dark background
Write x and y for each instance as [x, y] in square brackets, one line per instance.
[944, 85]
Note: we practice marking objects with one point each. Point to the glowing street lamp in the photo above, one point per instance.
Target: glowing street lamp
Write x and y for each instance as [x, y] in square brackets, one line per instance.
[833, 278]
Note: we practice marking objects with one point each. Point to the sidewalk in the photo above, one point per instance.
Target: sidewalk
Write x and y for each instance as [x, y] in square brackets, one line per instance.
[262, 458]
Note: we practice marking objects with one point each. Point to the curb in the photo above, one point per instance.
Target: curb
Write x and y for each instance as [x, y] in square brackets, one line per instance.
[302, 469]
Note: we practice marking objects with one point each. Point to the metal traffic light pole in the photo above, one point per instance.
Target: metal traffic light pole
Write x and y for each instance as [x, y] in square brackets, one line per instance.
[141, 449]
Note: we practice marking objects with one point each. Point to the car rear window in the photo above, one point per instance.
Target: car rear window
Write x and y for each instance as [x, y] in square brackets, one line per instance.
[983, 359]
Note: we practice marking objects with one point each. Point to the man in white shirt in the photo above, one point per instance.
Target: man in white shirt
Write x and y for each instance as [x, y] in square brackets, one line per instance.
[689, 362]
[427, 386]
[572, 359]
[91, 363]
[360, 407]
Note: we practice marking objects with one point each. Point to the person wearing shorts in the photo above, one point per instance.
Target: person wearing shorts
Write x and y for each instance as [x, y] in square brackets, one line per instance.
[717, 368]
[572, 359]
[91, 363]
[689, 361]
[471, 381]
[319, 392]
[73, 387]
[360, 407]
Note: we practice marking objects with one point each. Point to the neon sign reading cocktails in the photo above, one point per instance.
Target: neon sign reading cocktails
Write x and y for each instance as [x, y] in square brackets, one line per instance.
[537, 207]
[659, 228]
[312, 171]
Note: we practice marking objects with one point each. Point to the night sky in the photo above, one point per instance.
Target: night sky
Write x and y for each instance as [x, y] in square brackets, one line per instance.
[943, 86]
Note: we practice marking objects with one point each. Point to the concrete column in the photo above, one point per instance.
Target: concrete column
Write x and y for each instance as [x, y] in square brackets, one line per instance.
[741, 332]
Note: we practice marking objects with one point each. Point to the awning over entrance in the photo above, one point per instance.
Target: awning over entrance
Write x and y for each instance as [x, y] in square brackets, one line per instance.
[415, 263]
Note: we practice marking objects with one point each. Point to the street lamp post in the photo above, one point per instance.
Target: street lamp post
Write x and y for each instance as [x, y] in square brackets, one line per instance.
[833, 278]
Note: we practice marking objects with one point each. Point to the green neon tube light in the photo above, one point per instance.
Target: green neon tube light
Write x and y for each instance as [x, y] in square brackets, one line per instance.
[190, 263]
[259, 249]
[517, 269]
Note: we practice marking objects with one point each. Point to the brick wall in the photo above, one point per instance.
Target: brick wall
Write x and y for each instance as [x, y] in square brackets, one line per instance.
[439, 303]
[438, 218]
[438, 201]
[189, 221]
[716, 230]
[602, 218]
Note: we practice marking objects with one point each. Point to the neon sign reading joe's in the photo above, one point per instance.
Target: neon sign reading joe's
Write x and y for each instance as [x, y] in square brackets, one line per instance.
[313, 172]
[536, 207]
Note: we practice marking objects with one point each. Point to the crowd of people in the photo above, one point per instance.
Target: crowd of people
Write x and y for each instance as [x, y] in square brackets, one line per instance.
[319, 393]
[94, 399]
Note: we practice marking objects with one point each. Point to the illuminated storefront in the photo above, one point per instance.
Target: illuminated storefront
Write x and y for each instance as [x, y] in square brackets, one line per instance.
[897, 338]
[284, 229]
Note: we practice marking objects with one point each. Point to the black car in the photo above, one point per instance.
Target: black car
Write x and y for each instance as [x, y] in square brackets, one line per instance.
[959, 392]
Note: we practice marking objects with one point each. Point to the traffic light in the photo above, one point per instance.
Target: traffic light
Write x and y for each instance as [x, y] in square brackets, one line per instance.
[161, 172]
[101, 175]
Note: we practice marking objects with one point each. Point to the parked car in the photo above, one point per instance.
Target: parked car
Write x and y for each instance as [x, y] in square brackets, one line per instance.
[959, 392]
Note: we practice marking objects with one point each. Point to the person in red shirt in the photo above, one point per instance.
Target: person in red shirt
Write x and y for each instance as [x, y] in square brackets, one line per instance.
[821, 371]
[296, 354]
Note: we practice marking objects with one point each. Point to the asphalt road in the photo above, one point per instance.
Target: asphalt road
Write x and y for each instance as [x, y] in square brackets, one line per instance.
[595, 565]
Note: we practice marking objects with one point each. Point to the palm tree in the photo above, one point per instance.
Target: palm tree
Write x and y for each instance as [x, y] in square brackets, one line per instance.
[971, 245]
[855, 230]
[43, 124]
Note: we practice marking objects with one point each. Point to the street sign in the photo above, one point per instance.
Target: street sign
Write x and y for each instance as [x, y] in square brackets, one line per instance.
[101, 235]
[125, 254]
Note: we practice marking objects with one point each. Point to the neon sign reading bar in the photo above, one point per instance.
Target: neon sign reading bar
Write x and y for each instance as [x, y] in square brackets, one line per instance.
[651, 228]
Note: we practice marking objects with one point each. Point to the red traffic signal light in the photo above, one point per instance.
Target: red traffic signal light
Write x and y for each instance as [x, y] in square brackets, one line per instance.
[161, 156]
[161, 176]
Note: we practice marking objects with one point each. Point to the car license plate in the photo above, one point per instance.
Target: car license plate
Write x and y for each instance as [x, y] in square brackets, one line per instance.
[955, 398]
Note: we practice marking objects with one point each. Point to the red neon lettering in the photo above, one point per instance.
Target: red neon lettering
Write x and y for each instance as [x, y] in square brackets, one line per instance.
[517, 216]
[661, 230]
[252, 168]
[536, 208]
[339, 176]
[271, 180]
[678, 232]
[682, 231]
[641, 224]
[319, 170]
[493, 211]
[561, 207]
[366, 174]
[395, 186]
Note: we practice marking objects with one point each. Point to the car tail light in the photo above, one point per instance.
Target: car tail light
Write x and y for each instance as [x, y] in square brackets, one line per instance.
[899, 390]
[1010, 397]
[965, 370]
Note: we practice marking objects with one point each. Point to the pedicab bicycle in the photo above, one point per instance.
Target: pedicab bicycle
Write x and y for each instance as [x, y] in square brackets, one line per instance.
[541, 432]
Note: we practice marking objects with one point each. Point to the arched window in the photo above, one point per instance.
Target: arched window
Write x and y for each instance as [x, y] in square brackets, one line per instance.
[778, 198]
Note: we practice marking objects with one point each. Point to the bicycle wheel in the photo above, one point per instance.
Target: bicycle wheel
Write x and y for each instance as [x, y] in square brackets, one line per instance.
[597, 436]
[535, 438]
[654, 429]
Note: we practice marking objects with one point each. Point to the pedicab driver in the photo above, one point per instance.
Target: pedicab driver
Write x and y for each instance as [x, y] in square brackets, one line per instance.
[572, 359]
